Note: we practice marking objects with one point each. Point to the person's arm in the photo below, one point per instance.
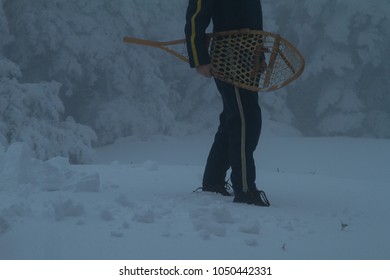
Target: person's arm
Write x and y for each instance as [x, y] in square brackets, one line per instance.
[198, 17]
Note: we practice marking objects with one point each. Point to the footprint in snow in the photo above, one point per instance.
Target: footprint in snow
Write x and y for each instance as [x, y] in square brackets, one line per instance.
[146, 216]
[211, 221]
[250, 227]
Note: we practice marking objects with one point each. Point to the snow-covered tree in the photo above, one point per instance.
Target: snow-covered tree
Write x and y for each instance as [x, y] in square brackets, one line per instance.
[33, 113]
[344, 90]
[116, 89]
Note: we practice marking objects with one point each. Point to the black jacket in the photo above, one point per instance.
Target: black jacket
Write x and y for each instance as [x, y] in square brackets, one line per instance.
[225, 14]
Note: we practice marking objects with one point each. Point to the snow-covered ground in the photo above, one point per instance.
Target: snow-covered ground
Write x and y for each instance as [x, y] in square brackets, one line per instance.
[329, 196]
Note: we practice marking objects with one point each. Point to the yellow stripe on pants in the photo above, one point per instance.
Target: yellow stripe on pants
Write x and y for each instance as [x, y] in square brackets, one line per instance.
[193, 32]
[243, 140]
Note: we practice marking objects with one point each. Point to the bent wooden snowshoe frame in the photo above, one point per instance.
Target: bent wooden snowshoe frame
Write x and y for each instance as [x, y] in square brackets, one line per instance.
[236, 57]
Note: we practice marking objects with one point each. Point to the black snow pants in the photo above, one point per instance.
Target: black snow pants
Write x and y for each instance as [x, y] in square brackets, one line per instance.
[236, 139]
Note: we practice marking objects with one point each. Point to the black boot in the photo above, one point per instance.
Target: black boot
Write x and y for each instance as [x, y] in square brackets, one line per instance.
[255, 197]
[218, 189]
[222, 189]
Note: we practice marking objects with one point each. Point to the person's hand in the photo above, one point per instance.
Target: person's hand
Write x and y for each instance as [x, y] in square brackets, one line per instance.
[205, 70]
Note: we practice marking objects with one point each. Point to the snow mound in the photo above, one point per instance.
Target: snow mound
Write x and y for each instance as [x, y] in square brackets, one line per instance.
[19, 170]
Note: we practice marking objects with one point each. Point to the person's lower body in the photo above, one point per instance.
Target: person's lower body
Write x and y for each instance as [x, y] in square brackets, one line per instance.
[234, 143]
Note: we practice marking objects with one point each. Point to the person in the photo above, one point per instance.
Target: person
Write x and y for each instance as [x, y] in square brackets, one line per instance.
[240, 121]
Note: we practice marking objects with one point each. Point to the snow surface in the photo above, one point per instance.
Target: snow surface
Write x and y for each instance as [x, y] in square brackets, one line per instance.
[329, 200]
